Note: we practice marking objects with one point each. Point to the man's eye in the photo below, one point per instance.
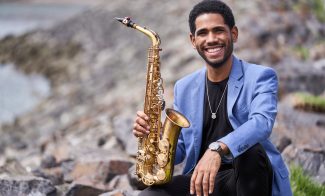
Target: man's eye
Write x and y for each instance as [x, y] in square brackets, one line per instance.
[219, 31]
[201, 33]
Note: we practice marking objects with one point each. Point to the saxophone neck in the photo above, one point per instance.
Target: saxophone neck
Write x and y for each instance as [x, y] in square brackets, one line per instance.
[154, 37]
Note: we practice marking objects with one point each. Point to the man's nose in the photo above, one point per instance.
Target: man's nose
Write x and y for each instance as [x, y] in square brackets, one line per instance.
[212, 37]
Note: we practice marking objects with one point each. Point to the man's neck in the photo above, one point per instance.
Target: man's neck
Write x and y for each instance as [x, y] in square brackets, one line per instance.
[220, 73]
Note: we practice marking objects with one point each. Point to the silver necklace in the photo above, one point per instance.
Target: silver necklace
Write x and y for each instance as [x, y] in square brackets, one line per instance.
[214, 115]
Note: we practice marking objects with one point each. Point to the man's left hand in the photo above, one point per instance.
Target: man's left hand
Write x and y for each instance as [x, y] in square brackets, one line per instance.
[205, 173]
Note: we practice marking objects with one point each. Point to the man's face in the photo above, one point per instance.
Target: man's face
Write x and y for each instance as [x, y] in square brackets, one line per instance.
[213, 39]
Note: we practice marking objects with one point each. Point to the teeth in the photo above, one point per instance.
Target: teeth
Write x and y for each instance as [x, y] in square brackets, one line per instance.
[211, 50]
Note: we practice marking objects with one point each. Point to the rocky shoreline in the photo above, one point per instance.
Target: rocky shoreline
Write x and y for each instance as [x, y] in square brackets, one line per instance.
[78, 141]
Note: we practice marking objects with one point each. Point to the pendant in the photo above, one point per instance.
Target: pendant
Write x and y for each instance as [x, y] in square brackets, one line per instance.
[213, 116]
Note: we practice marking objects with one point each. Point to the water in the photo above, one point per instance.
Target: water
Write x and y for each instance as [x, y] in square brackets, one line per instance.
[19, 93]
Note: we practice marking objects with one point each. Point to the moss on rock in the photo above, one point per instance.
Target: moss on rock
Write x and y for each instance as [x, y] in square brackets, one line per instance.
[50, 59]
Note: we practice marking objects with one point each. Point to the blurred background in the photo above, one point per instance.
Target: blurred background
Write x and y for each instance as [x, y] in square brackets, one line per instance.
[72, 79]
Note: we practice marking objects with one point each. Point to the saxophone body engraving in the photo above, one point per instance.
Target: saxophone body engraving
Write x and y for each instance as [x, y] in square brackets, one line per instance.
[156, 152]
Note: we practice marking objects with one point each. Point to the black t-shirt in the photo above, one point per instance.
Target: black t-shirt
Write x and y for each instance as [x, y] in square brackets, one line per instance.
[214, 129]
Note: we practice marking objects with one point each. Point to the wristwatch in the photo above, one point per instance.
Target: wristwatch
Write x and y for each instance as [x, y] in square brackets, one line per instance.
[215, 146]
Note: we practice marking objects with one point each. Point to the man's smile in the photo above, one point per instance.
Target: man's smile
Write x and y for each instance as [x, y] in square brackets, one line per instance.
[214, 51]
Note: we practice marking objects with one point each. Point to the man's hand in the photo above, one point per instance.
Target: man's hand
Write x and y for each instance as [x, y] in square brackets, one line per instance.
[205, 173]
[141, 126]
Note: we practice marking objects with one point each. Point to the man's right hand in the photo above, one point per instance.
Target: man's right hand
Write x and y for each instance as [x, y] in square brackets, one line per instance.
[141, 126]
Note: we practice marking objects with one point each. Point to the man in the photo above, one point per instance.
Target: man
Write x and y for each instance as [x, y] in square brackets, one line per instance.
[231, 106]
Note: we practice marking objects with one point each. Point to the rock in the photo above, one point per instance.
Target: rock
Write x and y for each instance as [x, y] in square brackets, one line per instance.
[12, 168]
[97, 168]
[49, 162]
[120, 182]
[283, 143]
[15, 180]
[311, 159]
[121, 193]
[122, 126]
[320, 123]
[55, 175]
[26, 185]
[294, 76]
[62, 189]
[83, 190]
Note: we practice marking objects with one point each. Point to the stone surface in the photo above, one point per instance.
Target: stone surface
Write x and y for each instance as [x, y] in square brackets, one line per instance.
[26, 185]
[97, 73]
[99, 169]
[83, 190]
[311, 159]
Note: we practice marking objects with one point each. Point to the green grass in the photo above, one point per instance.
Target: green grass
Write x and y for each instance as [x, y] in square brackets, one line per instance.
[316, 7]
[302, 185]
[302, 52]
[309, 102]
[319, 10]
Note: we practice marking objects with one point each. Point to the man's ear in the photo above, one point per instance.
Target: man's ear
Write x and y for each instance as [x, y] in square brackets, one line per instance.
[234, 33]
[192, 38]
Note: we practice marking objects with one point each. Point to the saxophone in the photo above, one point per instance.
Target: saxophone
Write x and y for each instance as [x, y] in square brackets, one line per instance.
[156, 152]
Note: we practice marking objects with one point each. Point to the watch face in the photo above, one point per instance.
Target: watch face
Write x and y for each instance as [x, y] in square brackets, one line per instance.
[214, 146]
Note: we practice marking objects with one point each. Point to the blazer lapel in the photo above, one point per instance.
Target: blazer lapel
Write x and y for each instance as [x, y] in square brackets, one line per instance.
[235, 84]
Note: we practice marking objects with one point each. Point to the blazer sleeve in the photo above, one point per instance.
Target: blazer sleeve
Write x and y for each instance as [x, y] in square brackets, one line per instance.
[261, 116]
[180, 149]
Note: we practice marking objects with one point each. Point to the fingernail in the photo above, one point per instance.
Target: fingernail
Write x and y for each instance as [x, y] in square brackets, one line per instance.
[191, 192]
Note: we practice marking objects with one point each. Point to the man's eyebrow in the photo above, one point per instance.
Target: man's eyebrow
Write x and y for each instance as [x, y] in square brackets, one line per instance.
[200, 30]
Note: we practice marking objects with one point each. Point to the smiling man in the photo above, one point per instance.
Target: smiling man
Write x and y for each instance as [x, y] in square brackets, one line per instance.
[231, 105]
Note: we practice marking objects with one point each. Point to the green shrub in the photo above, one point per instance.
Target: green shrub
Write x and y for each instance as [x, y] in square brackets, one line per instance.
[302, 185]
[319, 10]
[301, 52]
[308, 102]
[316, 7]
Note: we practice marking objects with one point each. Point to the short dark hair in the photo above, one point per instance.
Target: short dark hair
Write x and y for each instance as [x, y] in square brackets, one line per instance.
[211, 6]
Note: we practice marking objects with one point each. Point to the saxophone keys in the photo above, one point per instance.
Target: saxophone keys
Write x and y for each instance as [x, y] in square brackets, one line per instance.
[164, 145]
[141, 156]
[151, 148]
[148, 180]
[149, 160]
[152, 138]
[161, 175]
[162, 160]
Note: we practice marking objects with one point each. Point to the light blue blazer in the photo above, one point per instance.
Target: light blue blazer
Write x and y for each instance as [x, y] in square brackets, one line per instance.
[251, 107]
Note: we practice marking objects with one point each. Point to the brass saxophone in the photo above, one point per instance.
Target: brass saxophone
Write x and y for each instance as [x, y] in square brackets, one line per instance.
[156, 152]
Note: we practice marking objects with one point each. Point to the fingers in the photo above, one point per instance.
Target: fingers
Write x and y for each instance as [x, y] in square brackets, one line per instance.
[192, 185]
[141, 126]
[142, 115]
[203, 177]
[212, 178]
[202, 182]
[205, 183]
[198, 183]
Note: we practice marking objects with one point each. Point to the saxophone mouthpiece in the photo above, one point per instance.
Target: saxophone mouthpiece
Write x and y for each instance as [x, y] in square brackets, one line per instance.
[126, 21]
[119, 19]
